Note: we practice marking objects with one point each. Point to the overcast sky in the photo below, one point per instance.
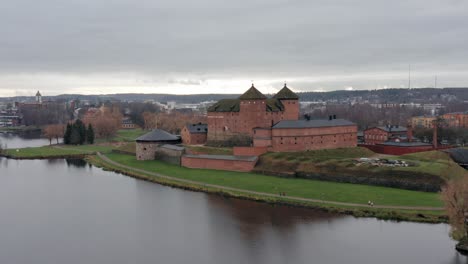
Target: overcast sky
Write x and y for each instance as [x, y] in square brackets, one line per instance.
[212, 46]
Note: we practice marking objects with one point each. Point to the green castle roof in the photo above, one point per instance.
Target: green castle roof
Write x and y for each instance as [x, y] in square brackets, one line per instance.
[233, 105]
[286, 93]
[252, 94]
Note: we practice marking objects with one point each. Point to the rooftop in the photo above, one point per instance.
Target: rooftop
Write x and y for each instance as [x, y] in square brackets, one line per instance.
[286, 93]
[233, 105]
[252, 94]
[313, 123]
[157, 135]
[197, 128]
[223, 157]
[392, 128]
[173, 147]
[405, 144]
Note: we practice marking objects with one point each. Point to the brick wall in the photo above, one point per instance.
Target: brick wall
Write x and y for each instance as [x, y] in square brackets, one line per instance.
[249, 151]
[291, 109]
[192, 138]
[169, 155]
[375, 136]
[302, 139]
[217, 164]
[394, 150]
[252, 114]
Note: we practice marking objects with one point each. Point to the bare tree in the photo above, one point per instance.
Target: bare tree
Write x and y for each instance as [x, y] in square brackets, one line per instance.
[455, 196]
[53, 131]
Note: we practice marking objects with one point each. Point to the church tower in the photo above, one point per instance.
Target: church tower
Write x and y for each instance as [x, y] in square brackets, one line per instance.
[38, 98]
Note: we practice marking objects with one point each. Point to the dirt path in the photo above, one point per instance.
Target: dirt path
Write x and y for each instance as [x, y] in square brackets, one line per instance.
[106, 159]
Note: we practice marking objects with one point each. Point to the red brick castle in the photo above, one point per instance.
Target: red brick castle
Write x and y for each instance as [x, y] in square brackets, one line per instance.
[274, 123]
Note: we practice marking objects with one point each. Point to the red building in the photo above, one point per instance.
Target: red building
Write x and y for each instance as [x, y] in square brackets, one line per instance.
[457, 119]
[194, 134]
[381, 134]
[302, 135]
[274, 123]
[232, 117]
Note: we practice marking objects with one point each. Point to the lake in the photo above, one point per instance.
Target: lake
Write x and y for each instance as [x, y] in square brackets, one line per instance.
[67, 211]
[23, 140]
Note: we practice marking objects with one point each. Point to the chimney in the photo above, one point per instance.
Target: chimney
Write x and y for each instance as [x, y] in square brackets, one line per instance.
[434, 135]
[409, 133]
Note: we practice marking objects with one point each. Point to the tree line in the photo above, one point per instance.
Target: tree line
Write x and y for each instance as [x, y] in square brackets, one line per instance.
[77, 134]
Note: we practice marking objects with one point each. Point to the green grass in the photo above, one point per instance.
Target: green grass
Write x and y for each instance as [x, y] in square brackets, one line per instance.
[321, 155]
[89, 148]
[129, 148]
[51, 151]
[42, 152]
[432, 162]
[128, 135]
[341, 192]
[210, 150]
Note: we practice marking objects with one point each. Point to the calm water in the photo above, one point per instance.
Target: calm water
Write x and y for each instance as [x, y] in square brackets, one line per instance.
[61, 211]
[69, 212]
[13, 140]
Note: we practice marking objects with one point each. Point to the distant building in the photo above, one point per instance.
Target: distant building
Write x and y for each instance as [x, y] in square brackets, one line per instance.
[457, 119]
[38, 98]
[194, 134]
[147, 145]
[422, 121]
[127, 123]
[381, 134]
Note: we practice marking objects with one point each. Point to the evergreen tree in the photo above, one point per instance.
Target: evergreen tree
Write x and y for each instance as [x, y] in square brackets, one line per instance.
[67, 135]
[75, 136]
[90, 134]
[81, 129]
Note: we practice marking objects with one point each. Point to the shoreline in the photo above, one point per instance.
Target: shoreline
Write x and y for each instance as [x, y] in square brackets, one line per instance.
[379, 213]
[412, 215]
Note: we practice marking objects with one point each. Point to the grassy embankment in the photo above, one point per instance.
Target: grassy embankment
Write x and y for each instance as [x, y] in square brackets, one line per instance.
[428, 170]
[123, 139]
[340, 192]
[432, 162]
[332, 191]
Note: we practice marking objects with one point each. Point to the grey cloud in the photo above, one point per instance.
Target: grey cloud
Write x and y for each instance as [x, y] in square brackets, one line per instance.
[238, 39]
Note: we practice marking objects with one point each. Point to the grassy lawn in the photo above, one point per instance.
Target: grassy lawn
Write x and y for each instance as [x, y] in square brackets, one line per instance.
[42, 152]
[124, 135]
[52, 151]
[432, 162]
[341, 192]
[130, 147]
[321, 155]
[127, 135]
[89, 148]
[210, 150]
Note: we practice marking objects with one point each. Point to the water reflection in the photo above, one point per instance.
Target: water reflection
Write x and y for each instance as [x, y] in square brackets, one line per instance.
[78, 163]
[23, 140]
[63, 211]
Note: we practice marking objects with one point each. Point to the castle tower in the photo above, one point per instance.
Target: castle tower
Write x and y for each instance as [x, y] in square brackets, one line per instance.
[38, 98]
[253, 109]
[290, 101]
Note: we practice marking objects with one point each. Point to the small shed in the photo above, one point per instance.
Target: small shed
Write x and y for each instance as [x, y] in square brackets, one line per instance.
[194, 134]
[147, 144]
